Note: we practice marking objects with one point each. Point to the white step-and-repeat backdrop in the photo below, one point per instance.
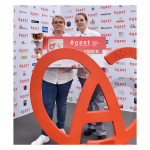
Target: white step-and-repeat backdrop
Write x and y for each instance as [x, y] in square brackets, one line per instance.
[117, 22]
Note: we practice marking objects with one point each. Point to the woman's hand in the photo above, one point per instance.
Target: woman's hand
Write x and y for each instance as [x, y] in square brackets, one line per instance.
[38, 50]
[74, 66]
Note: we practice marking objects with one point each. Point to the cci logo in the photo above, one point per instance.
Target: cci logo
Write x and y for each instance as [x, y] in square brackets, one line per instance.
[81, 116]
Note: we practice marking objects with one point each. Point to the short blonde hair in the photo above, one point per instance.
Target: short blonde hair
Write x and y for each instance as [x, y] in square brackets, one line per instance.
[58, 16]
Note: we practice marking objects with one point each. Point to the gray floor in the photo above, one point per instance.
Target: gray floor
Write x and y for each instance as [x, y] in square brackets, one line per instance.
[27, 129]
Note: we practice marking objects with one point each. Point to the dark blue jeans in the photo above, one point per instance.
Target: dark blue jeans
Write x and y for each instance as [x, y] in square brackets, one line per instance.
[58, 93]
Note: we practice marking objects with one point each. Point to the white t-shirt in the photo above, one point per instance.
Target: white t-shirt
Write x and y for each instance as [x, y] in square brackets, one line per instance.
[58, 75]
[83, 72]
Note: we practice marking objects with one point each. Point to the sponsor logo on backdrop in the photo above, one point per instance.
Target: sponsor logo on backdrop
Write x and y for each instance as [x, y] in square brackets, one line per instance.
[25, 87]
[15, 105]
[132, 26]
[135, 100]
[53, 11]
[51, 16]
[107, 34]
[33, 56]
[133, 94]
[92, 22]
[109, 48]
[14, 26]
[14, 98]
[133, 64]
[133, 108]
[107, 41]
[133, 34]
[44, 9]
[14, 10]
[23, 50]
[133, 10]
[93, 15]
[44, 29]
[120, 26]
[121, 70]
[14, 114]
[133, 79]
[71, 92]
[25, 103]
[135, 85]
[120, 92]
[135, 71]
[119, 12]
[92, 8]
[106, 7]
[24, 57]
[132, 19]
[134, 41]
[15, 73]
[33, 64]
[121, 98]
[23, 20]
[34, 14]
[121, 34]
[69, 11]
[121, 106]
[14, 58]
[14, 66]
[24, 73]
[34, 21]
[120, 41]
[24, 96]
[109, 77]
[106, 21]
[106, 14]
[25, 6]
[79, 88]
[93, 28]
[106, 27]
[43, 22]
[69, 29]
[22, 12]
[23, 35]
[25, 111]
[68, 23]
[120, 78]
[68, 17]
[14, 50]
[120, 84]
[24, 81]
[15, 89]
[21, 27]
[120, 20]
[23, 42]
[24, 65]
[35, 28]
[120, 6]
[120, 63]
[34, 7]
[82, 9]
[43, 15]
[70, 98]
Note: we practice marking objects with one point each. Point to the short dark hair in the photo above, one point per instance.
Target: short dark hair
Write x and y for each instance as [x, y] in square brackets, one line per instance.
[84, 15]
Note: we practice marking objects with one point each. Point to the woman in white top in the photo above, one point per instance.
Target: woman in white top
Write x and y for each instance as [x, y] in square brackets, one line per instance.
[97, 100]
[55, 86]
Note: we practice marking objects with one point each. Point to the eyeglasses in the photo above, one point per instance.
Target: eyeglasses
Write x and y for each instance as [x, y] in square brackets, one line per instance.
[56, 22]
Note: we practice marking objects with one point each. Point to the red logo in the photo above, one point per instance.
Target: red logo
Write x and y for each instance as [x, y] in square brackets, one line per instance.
[33, 56]
[51, 16]
[24, 96]
[117, 69]
[110, 77]
[83, 9]
[121, 98]
[106, 7]
[132, 93]
[133, 108]
[109, 48]
[66, 17]
[14, 26]
[34, 28]
[69, 29]
[133, 64]
[24, 81]
[24, 111]
[120, 20]
[44, 9]
[23, 35]
[14, 58]
[120, 84]
[93, 15]
[22, 20]
[14, 114]
[14, 10]
[15, 105]
[14, 66]
[23, 50]
[15, 73]
[14, 42]
[34, 14]
[133, 34]
[71, 92]
[119, 12]
[24, 65]
[25, 6]
[120, 26]
[133, 79]
[15, 89]
[79, 88]
[109, 34]
[121, 106]
[32, 42]
[132, 19]
[42, 22]
[120, 41]
[106, 21]
[93, 28]
[44, 15]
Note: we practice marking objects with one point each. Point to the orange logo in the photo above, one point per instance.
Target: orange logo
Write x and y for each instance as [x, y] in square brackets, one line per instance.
[81, 115]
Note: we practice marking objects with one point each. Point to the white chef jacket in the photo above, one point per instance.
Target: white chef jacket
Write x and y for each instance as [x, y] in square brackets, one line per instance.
[83, 72]
[58, 75]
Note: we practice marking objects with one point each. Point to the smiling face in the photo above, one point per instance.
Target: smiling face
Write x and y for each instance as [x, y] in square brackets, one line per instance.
[80, 22]
[58, 24]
